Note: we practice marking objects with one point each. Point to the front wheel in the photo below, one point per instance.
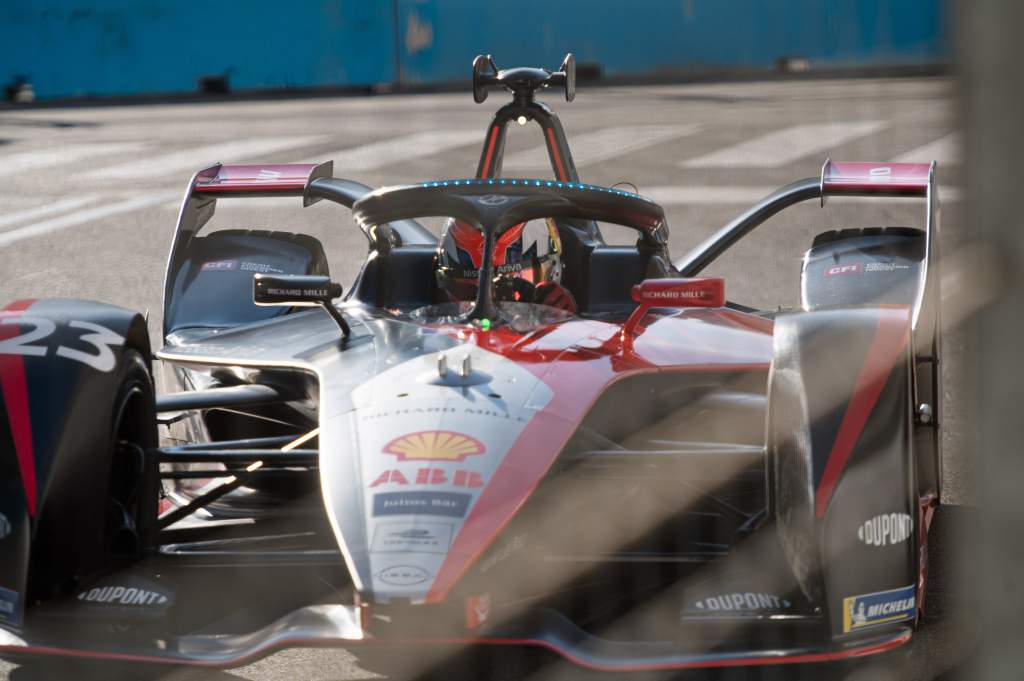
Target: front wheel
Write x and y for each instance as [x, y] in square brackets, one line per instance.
[133, 430]
[92, 515]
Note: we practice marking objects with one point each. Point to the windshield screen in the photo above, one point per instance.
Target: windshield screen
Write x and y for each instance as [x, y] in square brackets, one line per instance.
[520, 317]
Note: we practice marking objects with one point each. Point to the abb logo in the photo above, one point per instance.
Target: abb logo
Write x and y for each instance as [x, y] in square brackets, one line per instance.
[431, 476]
[842, 269]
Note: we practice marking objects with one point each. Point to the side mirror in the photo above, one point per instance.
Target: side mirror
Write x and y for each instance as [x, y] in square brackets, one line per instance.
[674, 292]
[568, 67]
[296, 290]
[695, 292]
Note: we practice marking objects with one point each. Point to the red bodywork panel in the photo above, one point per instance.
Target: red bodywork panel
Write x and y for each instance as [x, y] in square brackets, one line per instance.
[14, 390]
[579, 360]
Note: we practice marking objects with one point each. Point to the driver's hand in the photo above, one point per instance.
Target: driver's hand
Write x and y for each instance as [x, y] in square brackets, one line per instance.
[513, 289]
[554, 295]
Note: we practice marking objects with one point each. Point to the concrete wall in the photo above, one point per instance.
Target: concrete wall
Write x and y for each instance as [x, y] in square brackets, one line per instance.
[69, 48]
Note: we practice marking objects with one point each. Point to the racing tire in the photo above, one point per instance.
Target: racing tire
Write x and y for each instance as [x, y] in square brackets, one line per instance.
[132, 429]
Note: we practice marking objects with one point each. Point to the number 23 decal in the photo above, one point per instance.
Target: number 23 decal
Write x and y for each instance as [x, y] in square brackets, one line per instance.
[99, 337]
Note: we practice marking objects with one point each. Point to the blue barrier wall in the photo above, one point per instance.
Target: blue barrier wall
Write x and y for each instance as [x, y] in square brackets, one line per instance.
[72, 48]
[439, 38]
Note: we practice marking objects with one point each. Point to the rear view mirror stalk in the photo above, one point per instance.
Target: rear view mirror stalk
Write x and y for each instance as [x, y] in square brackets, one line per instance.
[295, 290]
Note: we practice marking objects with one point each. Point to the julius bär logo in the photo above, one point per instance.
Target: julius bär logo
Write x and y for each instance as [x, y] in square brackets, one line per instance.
[434, 445]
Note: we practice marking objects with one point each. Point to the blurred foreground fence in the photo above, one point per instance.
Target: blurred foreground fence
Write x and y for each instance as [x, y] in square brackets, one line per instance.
[83, 48]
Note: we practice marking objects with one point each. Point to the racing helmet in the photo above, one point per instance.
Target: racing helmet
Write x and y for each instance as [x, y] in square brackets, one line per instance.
[526, 256]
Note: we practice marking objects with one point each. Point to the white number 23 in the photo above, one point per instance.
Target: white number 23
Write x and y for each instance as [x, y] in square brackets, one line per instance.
[99, 337]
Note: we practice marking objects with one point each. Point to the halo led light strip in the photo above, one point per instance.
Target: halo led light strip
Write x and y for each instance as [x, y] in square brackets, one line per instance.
[533, 183]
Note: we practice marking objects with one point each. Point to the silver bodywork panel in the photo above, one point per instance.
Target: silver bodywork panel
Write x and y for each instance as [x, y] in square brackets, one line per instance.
[406, 448]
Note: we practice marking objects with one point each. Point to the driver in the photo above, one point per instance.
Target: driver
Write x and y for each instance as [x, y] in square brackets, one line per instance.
[527, 264]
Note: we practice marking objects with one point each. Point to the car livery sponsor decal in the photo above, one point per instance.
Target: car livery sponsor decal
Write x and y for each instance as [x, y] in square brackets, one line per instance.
[885, 267]
[430, 476]
[9, 611]
[494, 414]
[5, 526]
[129, 591]
[451, 504]
[407, 411]
[418, 538]
[881, 607]
[835, 270]
[434, 445]
[478, 610]
[260, 267]
[886, 530]
[743, 602]
[493, 200]
[124, 595]
[99, 338]
[469, 412]
[403, 575]
[427, 456]
[507, 549]
[220, 266]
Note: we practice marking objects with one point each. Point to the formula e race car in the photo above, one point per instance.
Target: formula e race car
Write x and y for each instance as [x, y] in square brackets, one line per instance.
[649, 477]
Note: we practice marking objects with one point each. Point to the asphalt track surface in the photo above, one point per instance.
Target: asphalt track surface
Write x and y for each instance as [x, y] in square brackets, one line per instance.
[88, 201]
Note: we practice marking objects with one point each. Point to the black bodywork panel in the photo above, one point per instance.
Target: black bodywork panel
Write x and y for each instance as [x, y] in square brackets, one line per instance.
[840, 453]
[54, 456]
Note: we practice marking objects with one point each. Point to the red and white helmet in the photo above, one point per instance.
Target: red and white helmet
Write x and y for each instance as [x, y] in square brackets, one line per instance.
[526, 256]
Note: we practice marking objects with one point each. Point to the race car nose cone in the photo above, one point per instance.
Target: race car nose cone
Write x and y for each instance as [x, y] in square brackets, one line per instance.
[408, 464]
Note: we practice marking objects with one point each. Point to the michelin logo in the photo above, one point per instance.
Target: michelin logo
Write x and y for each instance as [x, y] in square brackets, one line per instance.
[881, 607]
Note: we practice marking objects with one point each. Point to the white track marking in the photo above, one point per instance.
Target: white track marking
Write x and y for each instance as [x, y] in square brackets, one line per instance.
[601, 145]
[724, 195]
[64, 155]
[82, 216]
[196, 158]
[396, 150]
[945, 150]
[785, 146]
[69, 203]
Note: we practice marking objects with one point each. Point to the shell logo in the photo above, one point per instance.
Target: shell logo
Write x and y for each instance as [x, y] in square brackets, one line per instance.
[434, 445]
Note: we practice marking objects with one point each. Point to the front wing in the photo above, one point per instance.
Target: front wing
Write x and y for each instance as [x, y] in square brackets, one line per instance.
[340, 626]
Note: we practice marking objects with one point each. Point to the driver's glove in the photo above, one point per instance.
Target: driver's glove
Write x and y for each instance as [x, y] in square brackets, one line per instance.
[554, 295]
